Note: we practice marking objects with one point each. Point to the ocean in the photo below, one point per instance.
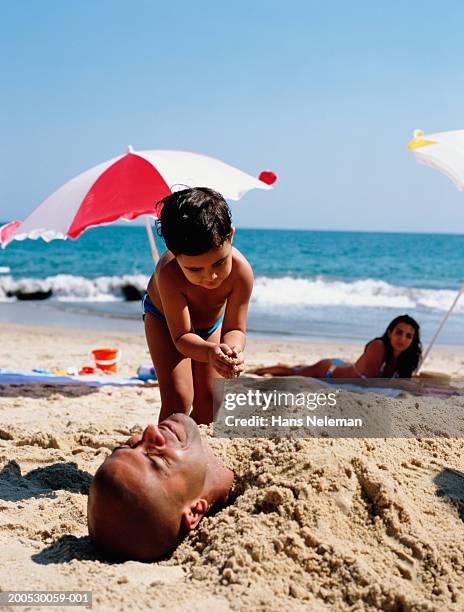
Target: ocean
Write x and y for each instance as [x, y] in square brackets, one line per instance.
[322, 285]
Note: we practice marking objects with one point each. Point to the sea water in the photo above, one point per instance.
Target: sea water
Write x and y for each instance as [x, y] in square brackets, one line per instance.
[308, 284]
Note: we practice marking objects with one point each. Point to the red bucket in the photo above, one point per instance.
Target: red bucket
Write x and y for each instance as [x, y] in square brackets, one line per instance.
[106, 359]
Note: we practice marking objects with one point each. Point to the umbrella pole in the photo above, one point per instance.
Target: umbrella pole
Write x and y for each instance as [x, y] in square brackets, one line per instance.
[442, 325]
[151, 240]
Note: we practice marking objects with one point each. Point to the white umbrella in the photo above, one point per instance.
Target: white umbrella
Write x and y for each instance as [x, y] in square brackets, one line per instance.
[443, 151]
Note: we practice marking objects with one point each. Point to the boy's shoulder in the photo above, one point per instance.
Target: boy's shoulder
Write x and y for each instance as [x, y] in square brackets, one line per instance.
[240, 265]
[166, 258]
[167, 265]
[239, 258]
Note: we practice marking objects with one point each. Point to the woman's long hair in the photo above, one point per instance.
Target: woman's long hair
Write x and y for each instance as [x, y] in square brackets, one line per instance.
[409, 360]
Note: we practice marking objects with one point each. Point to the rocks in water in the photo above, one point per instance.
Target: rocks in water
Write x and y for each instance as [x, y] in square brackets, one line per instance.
[131, 293]
[22, 295]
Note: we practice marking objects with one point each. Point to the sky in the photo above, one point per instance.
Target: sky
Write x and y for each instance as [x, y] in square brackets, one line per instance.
[326, 94]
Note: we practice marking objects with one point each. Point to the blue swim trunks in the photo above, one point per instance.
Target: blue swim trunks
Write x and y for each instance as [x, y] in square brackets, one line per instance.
[150, 308]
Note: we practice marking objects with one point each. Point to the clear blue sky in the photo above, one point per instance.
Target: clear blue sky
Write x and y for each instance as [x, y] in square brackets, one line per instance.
[327, 94]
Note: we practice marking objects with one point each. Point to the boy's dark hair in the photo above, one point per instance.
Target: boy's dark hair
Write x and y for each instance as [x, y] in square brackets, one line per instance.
[193, 221]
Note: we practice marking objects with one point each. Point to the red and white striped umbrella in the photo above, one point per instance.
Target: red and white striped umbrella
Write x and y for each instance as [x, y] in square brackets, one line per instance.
[125, 188]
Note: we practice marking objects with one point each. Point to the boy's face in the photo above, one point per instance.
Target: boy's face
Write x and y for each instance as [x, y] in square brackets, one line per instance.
[209, 269]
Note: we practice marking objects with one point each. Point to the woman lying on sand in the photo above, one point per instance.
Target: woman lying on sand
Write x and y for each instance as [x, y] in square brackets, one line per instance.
[396, 354]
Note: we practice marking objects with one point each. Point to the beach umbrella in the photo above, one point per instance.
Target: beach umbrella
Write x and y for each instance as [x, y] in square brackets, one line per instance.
[127, 187]
[443, 151]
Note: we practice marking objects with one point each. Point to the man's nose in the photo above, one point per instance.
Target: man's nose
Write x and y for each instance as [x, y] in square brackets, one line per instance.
[153, 435]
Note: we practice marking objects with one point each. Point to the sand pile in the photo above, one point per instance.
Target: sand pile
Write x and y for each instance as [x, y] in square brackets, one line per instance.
[335, 523]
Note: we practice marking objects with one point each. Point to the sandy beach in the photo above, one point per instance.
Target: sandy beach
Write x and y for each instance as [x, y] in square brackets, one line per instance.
[314, 524]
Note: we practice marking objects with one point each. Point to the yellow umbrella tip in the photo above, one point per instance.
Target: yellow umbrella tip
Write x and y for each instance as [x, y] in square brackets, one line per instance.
[419, 141]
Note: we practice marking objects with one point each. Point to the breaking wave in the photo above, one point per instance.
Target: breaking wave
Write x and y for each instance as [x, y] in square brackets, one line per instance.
[269, 293]
[301, 293]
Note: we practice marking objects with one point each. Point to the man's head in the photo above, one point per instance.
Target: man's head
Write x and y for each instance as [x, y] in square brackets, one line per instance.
[150, 492]
[194, 221]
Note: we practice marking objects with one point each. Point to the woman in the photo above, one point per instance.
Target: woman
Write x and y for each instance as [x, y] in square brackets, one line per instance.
[396, 354]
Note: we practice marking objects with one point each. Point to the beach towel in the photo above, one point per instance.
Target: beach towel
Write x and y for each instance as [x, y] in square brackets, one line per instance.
[420, 389]
[23, 377]
[385, 391]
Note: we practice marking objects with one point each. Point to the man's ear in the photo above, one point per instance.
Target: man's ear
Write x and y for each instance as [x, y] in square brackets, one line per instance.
[231, 235]
[193, 514]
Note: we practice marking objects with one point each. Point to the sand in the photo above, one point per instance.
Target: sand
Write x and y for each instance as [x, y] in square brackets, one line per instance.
[314, 524]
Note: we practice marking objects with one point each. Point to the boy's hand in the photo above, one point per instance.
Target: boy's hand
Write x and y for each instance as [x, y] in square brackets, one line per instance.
[236, 350]
[226, 361]
[239, 356]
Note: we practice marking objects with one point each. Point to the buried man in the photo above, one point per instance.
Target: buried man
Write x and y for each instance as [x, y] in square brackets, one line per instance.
[154, 489]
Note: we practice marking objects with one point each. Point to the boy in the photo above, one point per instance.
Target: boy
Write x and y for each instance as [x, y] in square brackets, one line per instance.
[196, 303]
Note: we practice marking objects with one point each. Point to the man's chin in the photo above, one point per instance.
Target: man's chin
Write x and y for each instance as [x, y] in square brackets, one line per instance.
[183, 425]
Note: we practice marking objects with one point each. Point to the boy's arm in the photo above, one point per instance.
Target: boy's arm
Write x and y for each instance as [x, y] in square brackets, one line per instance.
[235, 318]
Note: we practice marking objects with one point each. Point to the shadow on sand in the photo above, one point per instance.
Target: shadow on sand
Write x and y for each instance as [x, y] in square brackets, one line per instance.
[42, 482]
[450, 484]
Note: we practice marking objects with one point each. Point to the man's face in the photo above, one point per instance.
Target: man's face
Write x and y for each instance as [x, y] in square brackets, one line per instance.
[167, 460]
[210, 269]
[142, 491]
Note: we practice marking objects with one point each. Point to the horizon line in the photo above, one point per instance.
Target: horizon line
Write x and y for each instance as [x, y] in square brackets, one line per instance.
[299, 229]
